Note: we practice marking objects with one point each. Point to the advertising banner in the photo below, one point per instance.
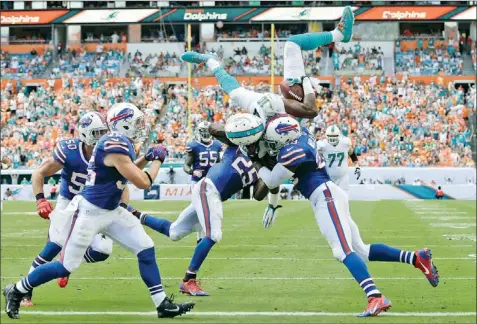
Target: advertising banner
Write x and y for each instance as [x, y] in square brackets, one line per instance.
[468, 14]
[205, 14]
[32, 17]
[109, 16]
[175, 192]
[405, 13]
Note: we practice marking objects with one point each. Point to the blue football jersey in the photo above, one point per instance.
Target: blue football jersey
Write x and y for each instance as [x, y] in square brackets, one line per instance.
[311, 171]
[105, 184]
[232, 173]
[69, 153]
[205, 156]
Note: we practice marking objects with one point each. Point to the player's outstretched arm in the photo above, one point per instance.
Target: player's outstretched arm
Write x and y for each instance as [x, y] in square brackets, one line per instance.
[307, 108]
[189, 161]
[218, 132]
[260, 190]
[141, 162]
[275, 177]
[46, 169]
[130, 171]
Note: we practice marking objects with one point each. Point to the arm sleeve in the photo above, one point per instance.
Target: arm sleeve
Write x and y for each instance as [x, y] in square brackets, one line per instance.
[276, 177]
[59, 154]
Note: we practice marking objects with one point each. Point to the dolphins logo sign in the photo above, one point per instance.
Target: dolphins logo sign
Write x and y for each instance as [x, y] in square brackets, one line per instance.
[125, 114]
[284, 129]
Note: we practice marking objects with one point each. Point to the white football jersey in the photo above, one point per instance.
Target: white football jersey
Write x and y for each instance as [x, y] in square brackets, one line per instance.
[336, 156]
[267, 106]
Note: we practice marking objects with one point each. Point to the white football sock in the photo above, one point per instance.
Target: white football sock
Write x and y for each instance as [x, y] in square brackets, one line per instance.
[158, 298]
[212, 64]
[337, 35]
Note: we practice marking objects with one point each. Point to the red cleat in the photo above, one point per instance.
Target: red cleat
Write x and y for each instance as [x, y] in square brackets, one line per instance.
[62, 282]
[425, 264]
[192, 288]
[376, 305]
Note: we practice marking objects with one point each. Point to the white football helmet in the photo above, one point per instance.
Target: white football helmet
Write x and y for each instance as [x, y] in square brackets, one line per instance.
[202, 132]
[91, 127]
[244, 129]
[281, 130]
[126, 119]
[333, 135]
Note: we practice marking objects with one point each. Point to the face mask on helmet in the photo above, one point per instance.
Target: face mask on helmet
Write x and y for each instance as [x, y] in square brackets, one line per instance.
[272, 147]
[204, 135]
[250, 150]
[333, 139]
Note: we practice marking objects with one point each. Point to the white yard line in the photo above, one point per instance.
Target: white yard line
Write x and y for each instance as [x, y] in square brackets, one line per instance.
[263, 278]
[244, 258]
[300, 314]
[270, 246]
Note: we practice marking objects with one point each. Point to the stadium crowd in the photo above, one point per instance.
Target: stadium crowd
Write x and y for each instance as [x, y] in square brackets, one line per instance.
[430, 58]
[391, 122]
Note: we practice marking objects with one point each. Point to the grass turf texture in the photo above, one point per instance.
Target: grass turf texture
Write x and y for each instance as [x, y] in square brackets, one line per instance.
[288, 268]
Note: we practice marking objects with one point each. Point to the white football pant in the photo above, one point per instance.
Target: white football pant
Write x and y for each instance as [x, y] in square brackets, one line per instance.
[89, 220]
[204, 213]
[331, 208]
[293, 64]
[60, 225]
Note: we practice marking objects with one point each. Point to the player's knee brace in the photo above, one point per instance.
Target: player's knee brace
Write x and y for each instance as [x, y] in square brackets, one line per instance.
[216, 236]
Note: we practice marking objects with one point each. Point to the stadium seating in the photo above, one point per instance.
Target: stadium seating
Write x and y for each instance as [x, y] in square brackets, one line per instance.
[24, 66]
[392, 123]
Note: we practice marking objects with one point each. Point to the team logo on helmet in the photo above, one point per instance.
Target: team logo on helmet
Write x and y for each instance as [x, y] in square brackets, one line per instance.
[284, 129]
[86, 121]
[124, 114]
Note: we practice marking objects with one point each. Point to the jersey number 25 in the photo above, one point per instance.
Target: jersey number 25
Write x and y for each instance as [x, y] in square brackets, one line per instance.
[245, 169]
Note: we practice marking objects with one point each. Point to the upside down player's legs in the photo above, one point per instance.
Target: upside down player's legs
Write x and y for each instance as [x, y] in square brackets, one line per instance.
[293, 64]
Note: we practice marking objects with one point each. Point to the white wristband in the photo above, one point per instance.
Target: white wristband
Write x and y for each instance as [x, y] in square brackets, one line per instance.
[307, 87]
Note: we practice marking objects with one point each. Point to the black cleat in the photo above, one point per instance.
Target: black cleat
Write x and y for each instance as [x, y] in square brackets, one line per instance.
[168, 309]
[13, 297]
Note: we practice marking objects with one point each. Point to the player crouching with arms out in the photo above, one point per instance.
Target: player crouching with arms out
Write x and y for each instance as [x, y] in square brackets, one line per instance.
[96, 209]
[232, 174]
[297, 158]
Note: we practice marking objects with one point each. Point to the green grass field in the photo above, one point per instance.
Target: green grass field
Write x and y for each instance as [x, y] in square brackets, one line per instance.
[285, 274]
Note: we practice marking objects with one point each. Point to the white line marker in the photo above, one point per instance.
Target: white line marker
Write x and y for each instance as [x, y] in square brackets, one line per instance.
[447, 218]
[441, 212]
[228, 314]
[453, 225]
[262, 278]
[245, 258]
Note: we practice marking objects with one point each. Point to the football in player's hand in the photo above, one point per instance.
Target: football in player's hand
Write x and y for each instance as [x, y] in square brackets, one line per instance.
[294, 92]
